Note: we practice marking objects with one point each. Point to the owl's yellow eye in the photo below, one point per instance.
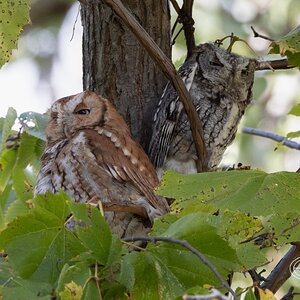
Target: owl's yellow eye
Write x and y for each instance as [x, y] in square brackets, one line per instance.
[84, 111]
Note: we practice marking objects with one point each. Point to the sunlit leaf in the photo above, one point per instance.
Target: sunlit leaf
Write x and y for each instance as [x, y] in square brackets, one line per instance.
[34, 124]
[13, 16]
[26, 150]
[72, 291]
[265, 294]
[7, 162]
[8, 123]
[4, 198]
[293, 135]
[295, 111]
[37, 244]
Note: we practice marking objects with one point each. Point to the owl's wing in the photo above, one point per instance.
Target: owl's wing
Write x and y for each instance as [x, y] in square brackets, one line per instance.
[167, 114]
[124, 161]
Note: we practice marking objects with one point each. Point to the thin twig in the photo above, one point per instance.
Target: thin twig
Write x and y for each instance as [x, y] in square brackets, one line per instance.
[190, 248]
[283, 269]
[169, 70]
[215, 294]
[176, 36]
[186, 19]
[272, 136]
[256, 34]
[177, 9]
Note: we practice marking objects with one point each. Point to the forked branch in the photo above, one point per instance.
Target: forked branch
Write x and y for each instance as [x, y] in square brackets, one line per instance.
[185, 18]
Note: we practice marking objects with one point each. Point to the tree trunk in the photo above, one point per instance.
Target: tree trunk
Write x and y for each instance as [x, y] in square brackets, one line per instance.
[116, 66]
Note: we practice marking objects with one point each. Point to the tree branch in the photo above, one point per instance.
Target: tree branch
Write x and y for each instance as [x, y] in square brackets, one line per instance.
[186, 19]
[190, 248]
[188, 26]
[283, 269]
[272, 136]
[279, 64]
[169, 70]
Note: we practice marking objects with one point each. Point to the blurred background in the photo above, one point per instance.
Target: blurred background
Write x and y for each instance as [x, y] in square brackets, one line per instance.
[47, 65]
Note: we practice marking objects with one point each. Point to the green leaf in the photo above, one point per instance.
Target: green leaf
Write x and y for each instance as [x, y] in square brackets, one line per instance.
[34, 124]
[7, 162]
[295, 111]
[21, 185]
[26, 150]
[254, 192]
[14, 287]
[10, 118]
[293, 135]
[4, 199]
[289, 46]
[37, 244]
[91, 291]
[250, 295]
[16, 208]
[26, 153]
[167, 270]
[262, 195]
[95, 234]
[201, 233]
[26, 290]
[152, 278]
[78, 273]
[13, 16]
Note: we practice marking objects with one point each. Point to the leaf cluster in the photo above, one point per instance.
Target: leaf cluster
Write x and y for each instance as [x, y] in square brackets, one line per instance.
[230, 217]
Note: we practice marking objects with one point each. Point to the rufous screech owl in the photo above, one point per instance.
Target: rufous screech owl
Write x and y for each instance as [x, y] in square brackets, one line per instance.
[220, 85]
[91, 155]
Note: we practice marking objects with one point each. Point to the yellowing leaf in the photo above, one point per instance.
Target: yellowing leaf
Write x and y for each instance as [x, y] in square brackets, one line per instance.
[72, 291]
[266, 294]
[289, 46]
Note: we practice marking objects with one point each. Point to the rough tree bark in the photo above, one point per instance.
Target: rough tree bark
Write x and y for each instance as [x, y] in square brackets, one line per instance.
[116, 66]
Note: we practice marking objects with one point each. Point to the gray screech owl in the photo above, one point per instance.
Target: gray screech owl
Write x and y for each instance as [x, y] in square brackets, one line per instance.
[220, 84]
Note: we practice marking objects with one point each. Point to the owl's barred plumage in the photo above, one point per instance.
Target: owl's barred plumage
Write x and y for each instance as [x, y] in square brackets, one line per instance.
[220, 85]
[91, 155]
